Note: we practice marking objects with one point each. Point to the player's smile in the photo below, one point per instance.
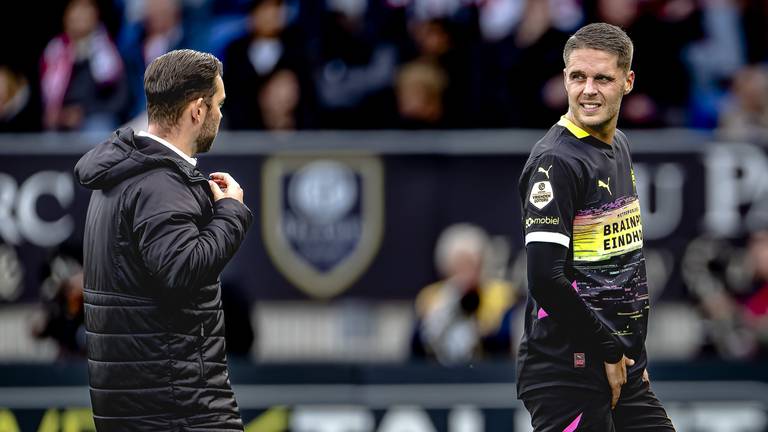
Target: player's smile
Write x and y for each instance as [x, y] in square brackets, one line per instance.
[590, 108]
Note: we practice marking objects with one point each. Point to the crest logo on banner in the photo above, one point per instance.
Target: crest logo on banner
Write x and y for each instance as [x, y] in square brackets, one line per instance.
[323, 218]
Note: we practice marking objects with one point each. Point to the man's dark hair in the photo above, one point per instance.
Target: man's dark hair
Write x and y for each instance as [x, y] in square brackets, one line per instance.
[603, 37]
[174, 79]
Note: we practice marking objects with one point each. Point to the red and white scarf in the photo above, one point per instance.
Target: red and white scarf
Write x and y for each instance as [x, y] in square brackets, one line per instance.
[56, 68]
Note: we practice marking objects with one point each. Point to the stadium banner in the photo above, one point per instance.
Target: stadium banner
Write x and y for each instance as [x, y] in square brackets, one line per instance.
[358, 216]
[415, 398]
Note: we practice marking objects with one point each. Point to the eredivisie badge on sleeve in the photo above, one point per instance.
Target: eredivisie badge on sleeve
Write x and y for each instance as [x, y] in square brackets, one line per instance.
[322, 219]
[541, 194]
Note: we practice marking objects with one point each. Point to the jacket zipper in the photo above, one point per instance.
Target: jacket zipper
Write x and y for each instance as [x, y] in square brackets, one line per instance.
[200, 352]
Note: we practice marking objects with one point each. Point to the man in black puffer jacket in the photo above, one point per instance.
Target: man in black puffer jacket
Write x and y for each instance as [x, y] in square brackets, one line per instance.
[158, 234]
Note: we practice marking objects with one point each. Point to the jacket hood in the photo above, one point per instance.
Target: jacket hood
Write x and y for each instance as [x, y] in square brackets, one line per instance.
[121, 157]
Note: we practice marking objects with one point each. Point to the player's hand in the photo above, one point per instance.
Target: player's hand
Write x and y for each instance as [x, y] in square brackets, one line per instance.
[617, 377]
[224, 186]
[646, 377]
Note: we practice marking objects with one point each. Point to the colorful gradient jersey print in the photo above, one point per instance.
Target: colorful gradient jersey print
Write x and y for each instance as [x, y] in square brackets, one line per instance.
[579, 192]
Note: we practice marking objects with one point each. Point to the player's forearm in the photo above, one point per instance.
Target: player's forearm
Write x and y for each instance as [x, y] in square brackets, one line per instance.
[554, 292]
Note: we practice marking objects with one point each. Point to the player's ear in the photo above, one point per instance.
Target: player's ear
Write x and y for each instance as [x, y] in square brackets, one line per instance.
[629, 84]
[197, 110]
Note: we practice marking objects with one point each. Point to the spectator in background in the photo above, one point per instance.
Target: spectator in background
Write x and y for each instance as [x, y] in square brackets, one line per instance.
[265, 69]
[19, 103]
[419, 91]
[537, 92]
[158, 31]
[756, 304]
[354, 69]
[82, 80]
[745, 116]
[515, 35]
[714, 58]
[466, 316]
[62, 313]
[708, 269]
[279, 100]
[442, 46]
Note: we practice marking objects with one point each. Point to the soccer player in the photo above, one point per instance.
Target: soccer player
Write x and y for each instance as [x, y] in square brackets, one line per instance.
[582, 360]
[158, 233]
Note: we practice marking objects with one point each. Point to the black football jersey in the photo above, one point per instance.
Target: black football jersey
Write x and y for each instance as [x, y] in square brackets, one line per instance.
[579, 192]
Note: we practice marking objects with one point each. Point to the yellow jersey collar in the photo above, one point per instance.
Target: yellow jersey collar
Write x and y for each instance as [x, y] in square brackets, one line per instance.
[571, 126]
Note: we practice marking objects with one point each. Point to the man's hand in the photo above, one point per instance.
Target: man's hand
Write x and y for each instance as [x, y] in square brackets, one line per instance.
[646, 377]
[224, 186]
[617, 377]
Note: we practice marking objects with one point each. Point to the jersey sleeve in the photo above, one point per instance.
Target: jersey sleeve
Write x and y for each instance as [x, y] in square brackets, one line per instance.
[549, 201]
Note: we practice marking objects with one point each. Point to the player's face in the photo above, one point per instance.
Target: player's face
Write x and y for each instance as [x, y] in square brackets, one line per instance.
[210, 127]
[595, 84]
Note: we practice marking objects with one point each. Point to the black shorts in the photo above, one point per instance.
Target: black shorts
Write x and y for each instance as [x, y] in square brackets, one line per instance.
[568, 409]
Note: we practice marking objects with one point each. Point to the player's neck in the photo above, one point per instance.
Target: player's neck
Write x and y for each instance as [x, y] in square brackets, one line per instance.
[605, 134]
[175, 137]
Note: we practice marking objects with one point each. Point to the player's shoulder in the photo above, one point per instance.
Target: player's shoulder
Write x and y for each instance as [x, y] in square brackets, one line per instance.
[559, 152]
[558, 143]
[621, 136]
[622, 142]
[558, 147]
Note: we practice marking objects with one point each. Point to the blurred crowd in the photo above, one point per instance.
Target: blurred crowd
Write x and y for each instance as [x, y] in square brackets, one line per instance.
[380, 64]
[729, 285]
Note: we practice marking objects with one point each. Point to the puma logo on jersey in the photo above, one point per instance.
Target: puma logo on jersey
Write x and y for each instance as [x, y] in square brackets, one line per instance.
[545, 171]
[607, 186]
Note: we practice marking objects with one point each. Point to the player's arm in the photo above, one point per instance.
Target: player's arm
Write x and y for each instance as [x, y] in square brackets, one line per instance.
[555, 293]
[173, 247]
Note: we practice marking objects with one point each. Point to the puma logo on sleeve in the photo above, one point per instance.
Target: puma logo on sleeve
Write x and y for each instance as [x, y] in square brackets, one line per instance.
[545, 171]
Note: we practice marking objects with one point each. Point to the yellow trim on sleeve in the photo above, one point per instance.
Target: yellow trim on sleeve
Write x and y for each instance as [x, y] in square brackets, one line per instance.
[579, 132]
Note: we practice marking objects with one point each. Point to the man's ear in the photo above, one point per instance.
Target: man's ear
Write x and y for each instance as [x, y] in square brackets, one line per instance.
[198, 113]
[630, 82]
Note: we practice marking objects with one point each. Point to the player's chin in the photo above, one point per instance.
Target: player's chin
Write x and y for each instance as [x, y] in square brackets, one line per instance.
[593, 120]
[591, 112]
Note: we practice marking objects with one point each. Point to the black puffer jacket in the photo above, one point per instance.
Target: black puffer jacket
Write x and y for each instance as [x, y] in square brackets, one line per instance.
[155, 243]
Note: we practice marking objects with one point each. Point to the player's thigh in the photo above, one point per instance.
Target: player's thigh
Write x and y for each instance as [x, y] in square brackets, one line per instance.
[558, 409]
[639, 410]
